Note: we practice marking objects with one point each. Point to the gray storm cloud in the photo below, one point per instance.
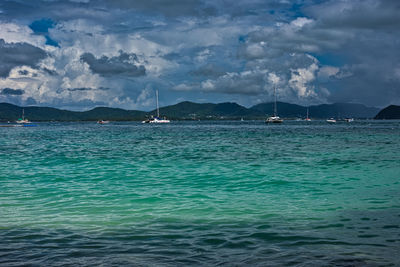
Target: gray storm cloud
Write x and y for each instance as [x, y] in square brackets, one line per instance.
[10, 91]
[123, 65]
[18, 54]
[167, 8]
[208, 70]
[86, 89]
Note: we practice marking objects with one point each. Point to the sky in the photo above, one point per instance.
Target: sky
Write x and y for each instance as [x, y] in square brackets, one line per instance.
[80, 54]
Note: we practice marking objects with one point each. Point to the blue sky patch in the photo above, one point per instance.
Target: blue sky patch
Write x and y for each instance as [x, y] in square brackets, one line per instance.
[42, 27]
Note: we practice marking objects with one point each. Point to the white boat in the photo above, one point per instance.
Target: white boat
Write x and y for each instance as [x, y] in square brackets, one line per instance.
[331, 120]
[156, 119]
[349, 120]
[103, 122]
[275, 118]
[23, 120]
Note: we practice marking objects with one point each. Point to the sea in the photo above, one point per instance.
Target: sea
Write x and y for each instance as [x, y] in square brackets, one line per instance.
[200, 193]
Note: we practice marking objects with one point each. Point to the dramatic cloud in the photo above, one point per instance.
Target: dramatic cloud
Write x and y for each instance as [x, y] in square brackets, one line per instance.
[15, 33]
[167, 8]
[124, 65]
[23, 72]
[208, 70]
[9, 91]
[357, 14]
[18, 54]
[247, 82]
[86, 89]
[301, 77]
[82, 53]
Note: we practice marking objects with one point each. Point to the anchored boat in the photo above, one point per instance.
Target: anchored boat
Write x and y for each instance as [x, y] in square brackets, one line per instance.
[275, 118]
[156, 119]
[23, 119]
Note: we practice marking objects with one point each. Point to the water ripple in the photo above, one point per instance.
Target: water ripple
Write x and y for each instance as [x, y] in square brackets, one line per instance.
[200, 193]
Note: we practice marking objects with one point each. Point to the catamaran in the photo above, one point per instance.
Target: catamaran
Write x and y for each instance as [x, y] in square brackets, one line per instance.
[156, 119]
[23, 120]
[275, 118]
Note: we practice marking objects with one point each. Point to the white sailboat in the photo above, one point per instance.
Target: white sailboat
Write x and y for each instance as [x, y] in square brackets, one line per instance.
[307, 118]
[23, 120]
[156, 119]
[275, 118]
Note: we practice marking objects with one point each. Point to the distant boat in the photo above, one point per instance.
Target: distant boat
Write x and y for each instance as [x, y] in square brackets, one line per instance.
[103, 122]
[156, 119]
[275, 118]
[307, 118]
[331, 120]
[349, 120]
[23, 119]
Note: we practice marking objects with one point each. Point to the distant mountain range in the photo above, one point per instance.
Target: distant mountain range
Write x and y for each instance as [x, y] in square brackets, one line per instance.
[189, 110]
[337, 110]
[391, 112]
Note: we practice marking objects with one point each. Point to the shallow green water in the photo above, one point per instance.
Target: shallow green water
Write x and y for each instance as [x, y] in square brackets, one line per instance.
[200, 193]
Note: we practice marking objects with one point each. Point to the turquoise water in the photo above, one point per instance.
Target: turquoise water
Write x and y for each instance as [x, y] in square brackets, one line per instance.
[200, 193]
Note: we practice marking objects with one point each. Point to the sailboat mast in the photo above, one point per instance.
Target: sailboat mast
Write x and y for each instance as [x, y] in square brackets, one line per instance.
[307, 113]
[275, 110]
[158, 111]
[23, 114]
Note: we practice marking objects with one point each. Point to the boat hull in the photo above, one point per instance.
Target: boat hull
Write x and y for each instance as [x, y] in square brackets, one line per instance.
[274, 120]
[156, 120]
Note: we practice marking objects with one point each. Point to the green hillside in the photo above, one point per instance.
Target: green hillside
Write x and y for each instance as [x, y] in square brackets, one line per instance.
[189, 110]
[391, 112]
